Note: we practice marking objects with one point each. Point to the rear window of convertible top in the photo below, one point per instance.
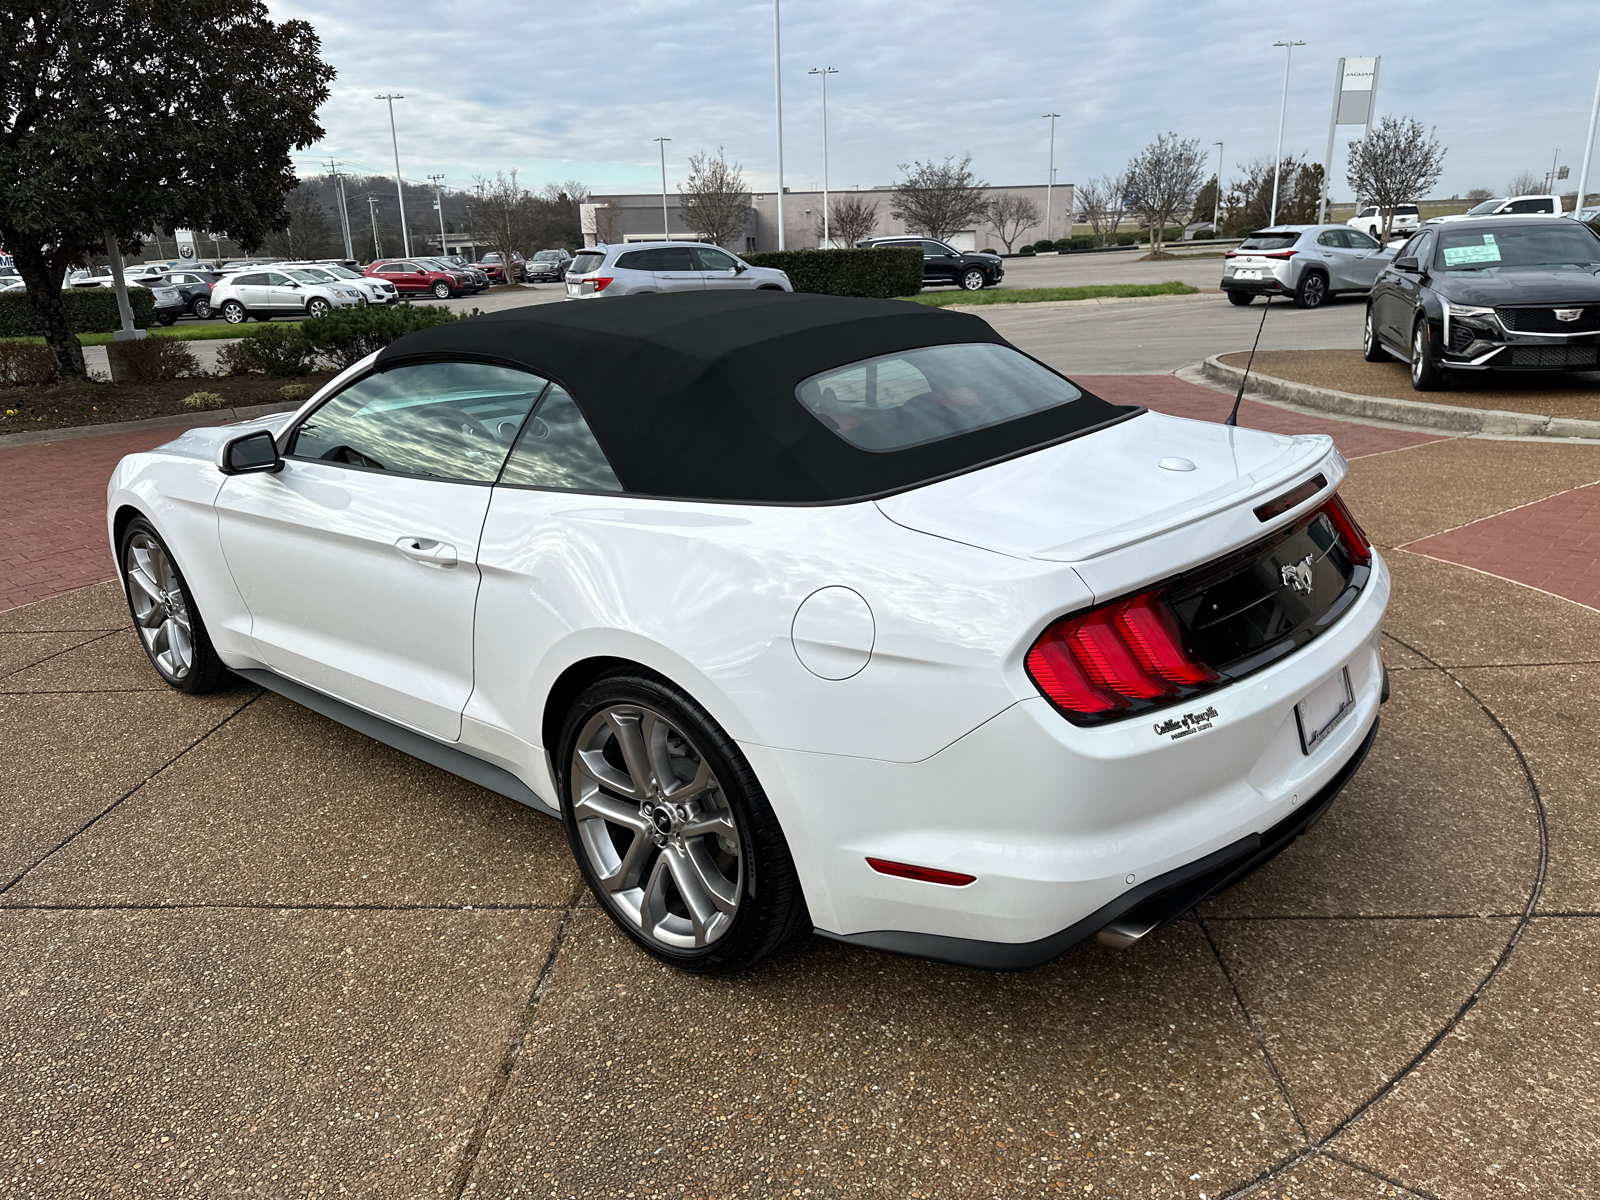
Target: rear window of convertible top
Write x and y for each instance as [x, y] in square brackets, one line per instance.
[914, 397]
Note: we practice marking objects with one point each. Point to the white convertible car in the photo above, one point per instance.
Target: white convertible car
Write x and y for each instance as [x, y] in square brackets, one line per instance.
[800, 612]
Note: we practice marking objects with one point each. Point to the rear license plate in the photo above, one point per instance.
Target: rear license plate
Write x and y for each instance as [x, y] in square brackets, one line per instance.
[1247, 274]
[1319, 714]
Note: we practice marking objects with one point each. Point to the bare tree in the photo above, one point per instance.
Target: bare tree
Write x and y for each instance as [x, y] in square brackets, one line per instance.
[937, 199]
[1397, 163]
[1010, 215]
[851, 217]
[1525, 183]
[504, 216]
[1479, 195]
[715, 202]
[1163, 181]
[606, 224]
[1103, 204]
[309, 233]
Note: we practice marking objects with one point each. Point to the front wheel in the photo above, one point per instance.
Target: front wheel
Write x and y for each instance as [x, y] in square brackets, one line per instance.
[671, 828]
[202, 308]
[1425, 375]
[1313, 290]
[164, 614]
[318, 307]
[233, 312]
[442, 290]
[972, 280]
[1370, 349]
[1240, 298]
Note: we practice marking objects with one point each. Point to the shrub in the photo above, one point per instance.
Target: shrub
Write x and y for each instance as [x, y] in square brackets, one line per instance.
[1027, 252]
[1062, 245]
[89, 310]
[277, 351]
[988, 250]
[295, 392]
[151, 358]
[884, 272]
[26, 364]
[201, 400]
[1127, 239]
[347, 335]
[1042, 245]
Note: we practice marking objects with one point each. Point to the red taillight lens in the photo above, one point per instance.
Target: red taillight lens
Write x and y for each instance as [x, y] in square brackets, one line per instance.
[1229, 253]
[1355, 541]
[1281, 254]
[884, 866]
[1103, 661]
[600, 282]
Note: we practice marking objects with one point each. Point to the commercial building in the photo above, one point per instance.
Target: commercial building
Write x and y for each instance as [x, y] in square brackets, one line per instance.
[638, 218]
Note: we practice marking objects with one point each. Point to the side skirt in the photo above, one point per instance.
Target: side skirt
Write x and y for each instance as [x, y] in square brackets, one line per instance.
[446, 758]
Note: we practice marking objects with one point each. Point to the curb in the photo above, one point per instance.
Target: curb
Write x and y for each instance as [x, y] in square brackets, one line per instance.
[1405, 412]
[215, 416]
[979, 308]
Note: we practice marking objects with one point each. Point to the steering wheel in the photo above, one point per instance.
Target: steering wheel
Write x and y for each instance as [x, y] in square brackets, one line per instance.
[458, 421]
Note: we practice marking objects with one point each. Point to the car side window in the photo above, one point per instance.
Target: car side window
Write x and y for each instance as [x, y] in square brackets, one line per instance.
[446, 420]
[714, 260]
[276, 280]
[674, 258]
[249, 280]
[1357, 240]
[934, 249]
[1331, 237]
[1421, 248]
[557, 450]
[637, 260]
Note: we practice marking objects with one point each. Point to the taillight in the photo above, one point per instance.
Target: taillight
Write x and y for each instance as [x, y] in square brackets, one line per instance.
[1101, 662]
[1282, 254]
[1351, 534]
[1230, 253]
[600, 282]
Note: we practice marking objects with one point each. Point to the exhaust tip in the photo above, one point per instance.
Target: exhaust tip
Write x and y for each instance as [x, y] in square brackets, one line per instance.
[1124, 931]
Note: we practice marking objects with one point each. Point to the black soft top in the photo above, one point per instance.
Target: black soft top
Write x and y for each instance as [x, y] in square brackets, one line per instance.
[692, 396]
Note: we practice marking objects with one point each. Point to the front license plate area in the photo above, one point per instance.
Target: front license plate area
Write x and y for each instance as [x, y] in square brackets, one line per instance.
[1319, 714]
[1247, 274]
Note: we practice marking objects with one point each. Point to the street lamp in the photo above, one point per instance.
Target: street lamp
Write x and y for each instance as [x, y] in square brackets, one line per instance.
[824, 72]
[1588, 149]
[438, 203]
[1283, 108]
[1050, 179]
[405, 234]
[662, 142]
[777, 85]
[1216, 200]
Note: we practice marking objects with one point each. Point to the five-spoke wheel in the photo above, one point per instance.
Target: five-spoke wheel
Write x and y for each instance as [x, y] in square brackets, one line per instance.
[168, 624]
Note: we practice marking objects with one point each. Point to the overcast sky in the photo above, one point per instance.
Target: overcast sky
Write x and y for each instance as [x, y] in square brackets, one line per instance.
[578, 90]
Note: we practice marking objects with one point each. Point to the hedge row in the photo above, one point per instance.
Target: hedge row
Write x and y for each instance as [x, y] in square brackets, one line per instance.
[342, 338]
[883, 273]
[89, 310]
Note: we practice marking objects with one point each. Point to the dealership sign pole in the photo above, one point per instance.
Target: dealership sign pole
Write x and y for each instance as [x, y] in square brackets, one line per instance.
[1355, 96]
[1588, 149]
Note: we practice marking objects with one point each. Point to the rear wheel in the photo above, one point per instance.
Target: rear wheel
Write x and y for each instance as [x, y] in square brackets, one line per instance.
[1236, 297]
[973, 280]
[233, 312]
[1425, 375]
[1313, 290]
[671, 829]
[201, 308]
[442, 290]
[164, 614]
[1370, 349]
[168, 318]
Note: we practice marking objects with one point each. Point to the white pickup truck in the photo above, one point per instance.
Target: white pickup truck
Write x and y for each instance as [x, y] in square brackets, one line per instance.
[1369, 219]
[1510, 206]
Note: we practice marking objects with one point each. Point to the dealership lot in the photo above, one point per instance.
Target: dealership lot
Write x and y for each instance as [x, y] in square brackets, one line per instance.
[255, 953]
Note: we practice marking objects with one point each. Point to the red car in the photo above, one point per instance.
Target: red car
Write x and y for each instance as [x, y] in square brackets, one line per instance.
[413, 278]
[497, 271]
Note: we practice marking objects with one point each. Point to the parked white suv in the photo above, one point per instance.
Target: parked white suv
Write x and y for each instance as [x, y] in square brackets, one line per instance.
[265, 294]
[377, 291]
[637, 267]
[1510, 206]
[1369, 219]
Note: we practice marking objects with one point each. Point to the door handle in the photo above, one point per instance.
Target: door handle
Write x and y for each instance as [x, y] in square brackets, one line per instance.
[427, 551]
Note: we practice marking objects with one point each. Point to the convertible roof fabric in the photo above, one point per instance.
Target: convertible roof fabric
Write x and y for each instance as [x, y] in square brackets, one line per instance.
[692, 396]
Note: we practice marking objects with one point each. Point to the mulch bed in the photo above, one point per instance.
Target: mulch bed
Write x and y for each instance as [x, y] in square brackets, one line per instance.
[1546, 393]
[64, 405]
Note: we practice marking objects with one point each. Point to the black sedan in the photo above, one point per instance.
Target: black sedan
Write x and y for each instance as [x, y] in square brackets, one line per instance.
[1493, 294]
[195, 288]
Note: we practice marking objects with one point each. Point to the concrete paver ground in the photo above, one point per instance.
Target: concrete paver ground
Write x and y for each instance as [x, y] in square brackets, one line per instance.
[244, 951]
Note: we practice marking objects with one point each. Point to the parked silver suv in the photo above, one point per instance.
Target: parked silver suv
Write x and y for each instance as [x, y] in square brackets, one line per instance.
[1307, 262]
[637, 267]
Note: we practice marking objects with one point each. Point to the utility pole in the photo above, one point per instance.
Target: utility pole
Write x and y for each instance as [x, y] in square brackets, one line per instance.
[377, 247]
[344, 212]
[777, 85]
[666, 232]
[824, 72]
[1283, 109]
[405, 234]
[1216, 205]
[1550, 179]
[438, 203]
[1588, 149]
[1050, 180]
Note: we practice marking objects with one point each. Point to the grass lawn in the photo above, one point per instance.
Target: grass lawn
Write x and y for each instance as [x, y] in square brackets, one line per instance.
[184, 333]
[1032, 295]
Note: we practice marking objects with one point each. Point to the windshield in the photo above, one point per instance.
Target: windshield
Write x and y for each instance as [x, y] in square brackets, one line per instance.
[1549, 244]
[1270, 240]
[342, 272]
[304, 276]
[921, 396]
[1488, 206]
[547, 256]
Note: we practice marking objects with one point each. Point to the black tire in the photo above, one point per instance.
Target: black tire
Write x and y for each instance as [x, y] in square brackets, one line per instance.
[442, 290]
[1425, 373]
[769, 908]
[1371, 350]
[168, 318]
[233, 312]
[318, 307]
[973, 279]
[205, 671]
[201, 308]
[1373, 230]
[1237, 297]
[1313, 290]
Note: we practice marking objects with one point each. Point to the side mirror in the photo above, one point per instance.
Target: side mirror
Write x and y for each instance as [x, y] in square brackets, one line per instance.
[250, 453]
[740, 268]
[1408, 263]
[420, 271]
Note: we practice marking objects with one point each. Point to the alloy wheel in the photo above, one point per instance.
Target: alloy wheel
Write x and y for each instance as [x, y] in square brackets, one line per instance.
[1366, 332]
[202, 309]
[1419, 347]
[234, 314]
[972, 281]
[160, 607]
[656, 829]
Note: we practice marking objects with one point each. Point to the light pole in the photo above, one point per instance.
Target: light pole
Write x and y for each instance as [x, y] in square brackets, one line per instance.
[777, 86]
[1588, 149]
[1050, 179]
[405, 234]
[344, 208]
[824, 72]
[1216, 201]
[1283, 108]
[665, 232]
[372, 209]
[438, 203]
